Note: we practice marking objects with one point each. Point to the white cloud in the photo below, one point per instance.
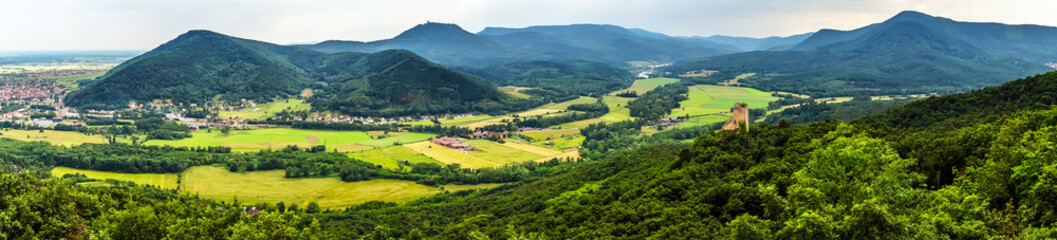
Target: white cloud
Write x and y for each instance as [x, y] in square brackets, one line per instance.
[144, 24]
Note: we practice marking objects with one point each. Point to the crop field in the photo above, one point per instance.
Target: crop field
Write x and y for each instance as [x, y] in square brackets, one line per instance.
[273, 138]
[270, 186]
[618, 111]
[389, 157]
[645, 85]
[348, 148]
[166, 180]
[453, 122]
[64, 138]
[500, 154]
[710, 99]
[269, 109]
[402, 139]
[449, 156]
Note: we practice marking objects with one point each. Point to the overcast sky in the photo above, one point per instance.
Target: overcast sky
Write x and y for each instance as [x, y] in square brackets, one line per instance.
[145, 24]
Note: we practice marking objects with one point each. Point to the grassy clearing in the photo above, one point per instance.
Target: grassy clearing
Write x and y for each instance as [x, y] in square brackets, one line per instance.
[452, 122]
[618, 111]
[574, 154]
[166, 181]
[389, 157]
[268, 138]
[70, 81]
[54, 137]
[544, 135]
[559, 139]
[449, 156]
[710, 99]
[270, 186]
[500, 154]
[703, 120]
[515, 91]
[565, 105]
[645, 85]
[348, 148]
[456, 188]
[402, 139]
[266, 110]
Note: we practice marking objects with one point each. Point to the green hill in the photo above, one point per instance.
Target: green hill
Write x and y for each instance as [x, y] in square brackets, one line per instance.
[199, 65]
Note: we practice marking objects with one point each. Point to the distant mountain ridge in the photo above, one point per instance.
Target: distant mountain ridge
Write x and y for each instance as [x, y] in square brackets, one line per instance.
[909, 53]
[198, 66]
[451, 45]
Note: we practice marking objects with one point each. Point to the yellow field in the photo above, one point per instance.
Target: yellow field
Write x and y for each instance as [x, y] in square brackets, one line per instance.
[500, 154]
[54, 137]
[456, 188]
[574, 154]
[166, 181]
[348, 148]
[532, 149]
[515, 91]
[270, 186]
[450, 156]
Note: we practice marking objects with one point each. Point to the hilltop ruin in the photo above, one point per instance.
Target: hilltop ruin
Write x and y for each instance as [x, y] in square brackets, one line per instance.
[741, 115]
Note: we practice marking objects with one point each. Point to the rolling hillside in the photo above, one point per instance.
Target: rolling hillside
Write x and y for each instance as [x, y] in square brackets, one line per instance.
[200, 65]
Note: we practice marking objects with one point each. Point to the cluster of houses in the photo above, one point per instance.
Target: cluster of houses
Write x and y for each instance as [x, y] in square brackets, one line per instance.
[29, 92]
[489, 134]
[451, 143]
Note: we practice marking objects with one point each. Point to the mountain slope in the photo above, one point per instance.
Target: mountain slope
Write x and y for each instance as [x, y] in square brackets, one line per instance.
[909, 53]
[979, 106]
[200, 65]
[197, 66]
[758, 44]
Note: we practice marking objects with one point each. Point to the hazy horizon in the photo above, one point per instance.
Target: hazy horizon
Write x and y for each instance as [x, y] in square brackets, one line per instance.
[72, 25]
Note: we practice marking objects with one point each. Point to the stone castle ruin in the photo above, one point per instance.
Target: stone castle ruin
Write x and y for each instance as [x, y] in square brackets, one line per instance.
[741, 115]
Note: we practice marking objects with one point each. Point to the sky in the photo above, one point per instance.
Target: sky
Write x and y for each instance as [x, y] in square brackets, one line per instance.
[34, 25]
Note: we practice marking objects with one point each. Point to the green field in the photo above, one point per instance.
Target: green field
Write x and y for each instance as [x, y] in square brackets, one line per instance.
[703, 120]
[402, 139]
[269, 109]
[565, 105]
[456, 188]
[452, 122]
[449, 156]
[70, 81]
[54, 137]
[645, 85]
[166, 181]
[268, 138]
[618, 111]
[559, 139]
[270, 186]
[500, 154]
[710, 99]
[389, 157]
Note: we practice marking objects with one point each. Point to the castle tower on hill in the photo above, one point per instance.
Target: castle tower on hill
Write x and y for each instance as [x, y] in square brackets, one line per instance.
[741, 115]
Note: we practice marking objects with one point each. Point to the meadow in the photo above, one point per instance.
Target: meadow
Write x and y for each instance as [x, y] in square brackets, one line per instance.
[266, 110]
[64, 138]
[559, 139]
[449, 156]
[270, 186]
[515, 91]
[389, 157]
[276, 138]
[166, 180]
[499, 153]
[711, 99]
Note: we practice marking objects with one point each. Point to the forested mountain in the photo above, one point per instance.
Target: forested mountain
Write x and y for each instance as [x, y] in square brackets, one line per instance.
[200, 65]
[745, 44]
[909, 53]
[450, 45]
